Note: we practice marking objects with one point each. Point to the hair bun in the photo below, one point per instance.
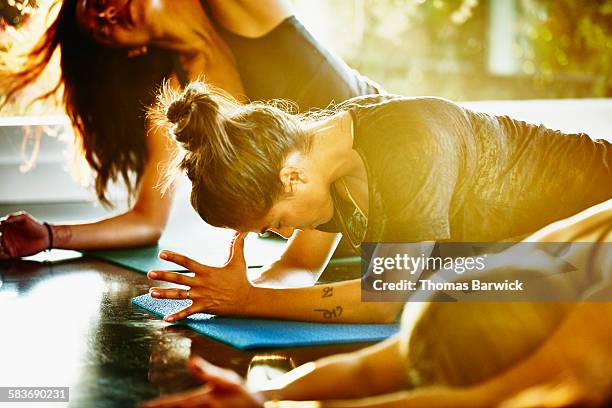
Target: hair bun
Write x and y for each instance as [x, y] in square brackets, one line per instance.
[196, 96]
[179, 114]
[178, 110]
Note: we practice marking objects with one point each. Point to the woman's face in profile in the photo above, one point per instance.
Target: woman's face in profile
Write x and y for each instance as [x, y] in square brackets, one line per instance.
[308, 206]
[114, 23]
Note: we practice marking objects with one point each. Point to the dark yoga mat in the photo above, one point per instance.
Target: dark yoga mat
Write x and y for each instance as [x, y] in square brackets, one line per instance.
[246, 333]
[211, 251]
[138, 259]
[144, 259]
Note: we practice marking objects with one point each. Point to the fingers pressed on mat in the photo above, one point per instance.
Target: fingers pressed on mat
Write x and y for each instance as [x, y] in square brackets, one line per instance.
[173, 277]
[174, 293]
[182, 314]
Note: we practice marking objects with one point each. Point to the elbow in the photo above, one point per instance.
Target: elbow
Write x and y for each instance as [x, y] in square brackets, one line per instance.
[148, 236]
[150, 229]
[283, 276]
[151, 233]
[155, 235]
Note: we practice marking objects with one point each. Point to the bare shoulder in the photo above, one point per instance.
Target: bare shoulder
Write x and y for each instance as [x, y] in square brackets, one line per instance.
[250, 18]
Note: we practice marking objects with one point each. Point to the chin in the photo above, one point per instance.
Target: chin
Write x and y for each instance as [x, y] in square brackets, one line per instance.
[127, 41]
[329, 214]
[122, 37]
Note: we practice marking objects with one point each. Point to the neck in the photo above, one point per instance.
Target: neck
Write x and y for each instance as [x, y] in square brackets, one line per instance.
[182, 26]
[332, 148]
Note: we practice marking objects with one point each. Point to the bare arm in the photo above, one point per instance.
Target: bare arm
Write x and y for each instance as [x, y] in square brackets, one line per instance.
[22, 235]
[560, 362]
[227, 291]
[373, 370]
[141, 225]
[377, 369]
[305, 257]
[334, 302]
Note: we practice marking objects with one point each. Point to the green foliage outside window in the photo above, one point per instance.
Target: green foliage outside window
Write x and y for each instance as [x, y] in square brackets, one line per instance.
[558, 48]
[562, 48]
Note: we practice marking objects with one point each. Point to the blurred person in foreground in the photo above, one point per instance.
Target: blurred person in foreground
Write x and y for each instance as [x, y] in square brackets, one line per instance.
[455, 354]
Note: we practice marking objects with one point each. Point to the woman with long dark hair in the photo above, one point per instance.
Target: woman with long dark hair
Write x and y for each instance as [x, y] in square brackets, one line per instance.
[114, 55]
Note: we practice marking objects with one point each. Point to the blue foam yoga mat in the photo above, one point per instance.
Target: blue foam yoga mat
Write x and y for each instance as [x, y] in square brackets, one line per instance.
[246, 333]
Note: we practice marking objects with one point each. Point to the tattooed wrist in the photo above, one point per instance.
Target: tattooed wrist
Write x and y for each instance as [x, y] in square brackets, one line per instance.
[62, 234]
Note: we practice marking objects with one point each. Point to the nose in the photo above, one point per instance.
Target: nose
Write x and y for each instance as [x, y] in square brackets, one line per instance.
[109, 14]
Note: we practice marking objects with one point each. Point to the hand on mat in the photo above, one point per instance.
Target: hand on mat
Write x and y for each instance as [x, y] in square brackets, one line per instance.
[224, 388]
[221, 291]
[21, 235]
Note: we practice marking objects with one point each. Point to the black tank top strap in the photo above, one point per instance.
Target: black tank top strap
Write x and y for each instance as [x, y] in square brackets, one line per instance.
[289, 63]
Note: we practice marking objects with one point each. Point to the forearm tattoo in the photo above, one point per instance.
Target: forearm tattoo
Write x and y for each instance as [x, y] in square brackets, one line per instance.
[328, 292]
[62, 234]
[330, 313]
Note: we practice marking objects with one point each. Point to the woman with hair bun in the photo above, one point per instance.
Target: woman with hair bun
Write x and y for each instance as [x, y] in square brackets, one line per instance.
[114, 54]
[376, 169]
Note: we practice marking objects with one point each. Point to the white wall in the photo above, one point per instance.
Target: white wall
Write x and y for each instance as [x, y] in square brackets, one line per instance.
[590, 116]
[49, 180]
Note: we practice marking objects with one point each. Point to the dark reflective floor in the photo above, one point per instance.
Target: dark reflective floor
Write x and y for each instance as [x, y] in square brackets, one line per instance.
[71, 323]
